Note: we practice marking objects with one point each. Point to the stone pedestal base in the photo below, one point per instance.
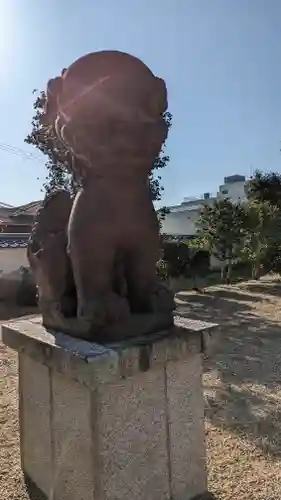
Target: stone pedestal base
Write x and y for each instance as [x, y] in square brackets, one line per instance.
[118, 422]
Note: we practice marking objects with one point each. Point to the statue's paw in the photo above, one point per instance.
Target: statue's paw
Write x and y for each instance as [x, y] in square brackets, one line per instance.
[162, 299]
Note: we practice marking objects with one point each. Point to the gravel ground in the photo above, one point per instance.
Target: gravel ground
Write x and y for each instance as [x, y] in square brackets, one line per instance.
[11, 480]
[242, 385]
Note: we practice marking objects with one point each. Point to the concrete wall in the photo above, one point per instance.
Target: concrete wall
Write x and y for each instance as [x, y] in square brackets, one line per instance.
[181, 222]
[16, 287]
[233, 190]
[11, 259]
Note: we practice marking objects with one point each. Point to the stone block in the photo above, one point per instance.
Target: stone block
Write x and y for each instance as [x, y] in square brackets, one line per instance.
[35, 421]
[186, 423]
[112, 422]
[131, 431]
[72, 440]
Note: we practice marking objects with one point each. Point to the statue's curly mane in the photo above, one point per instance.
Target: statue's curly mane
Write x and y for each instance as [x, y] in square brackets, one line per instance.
[104, 96]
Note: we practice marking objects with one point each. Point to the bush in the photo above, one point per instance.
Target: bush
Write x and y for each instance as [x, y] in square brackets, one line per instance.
[176, 256]
[178, 259]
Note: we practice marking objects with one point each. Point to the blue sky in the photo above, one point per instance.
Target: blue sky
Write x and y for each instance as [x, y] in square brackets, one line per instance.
[221, 60]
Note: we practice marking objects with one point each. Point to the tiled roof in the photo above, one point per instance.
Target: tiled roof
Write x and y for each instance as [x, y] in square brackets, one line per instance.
[13, 242]
[5, 205]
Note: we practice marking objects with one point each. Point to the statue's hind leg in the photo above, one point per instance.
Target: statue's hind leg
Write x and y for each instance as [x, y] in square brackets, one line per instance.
[94, 278]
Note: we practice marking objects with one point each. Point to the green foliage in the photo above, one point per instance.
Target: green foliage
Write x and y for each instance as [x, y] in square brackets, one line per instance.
[263, 241]
[162, 270]
[220, 230]
[160, 162]
[58, 160]
[265, 187]
[247, 234]
[271, 259]
[176, 257]
[42, 138]
[161, 214]
[261, 231]
[180, 260]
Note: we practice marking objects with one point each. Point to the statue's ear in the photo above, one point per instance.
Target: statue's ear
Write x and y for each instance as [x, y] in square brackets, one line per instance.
[54, 87]
[159, 102]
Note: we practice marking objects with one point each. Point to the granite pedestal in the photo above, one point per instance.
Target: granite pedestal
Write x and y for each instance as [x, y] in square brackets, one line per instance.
[112, 422]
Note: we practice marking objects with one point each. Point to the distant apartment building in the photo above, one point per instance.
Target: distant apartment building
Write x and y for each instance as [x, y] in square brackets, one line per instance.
[181, 220]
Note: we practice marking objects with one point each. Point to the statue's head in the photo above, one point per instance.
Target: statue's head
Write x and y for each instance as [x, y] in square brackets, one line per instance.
[107, 105]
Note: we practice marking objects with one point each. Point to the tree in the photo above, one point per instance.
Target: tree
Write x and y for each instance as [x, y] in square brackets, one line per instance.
[271, 260]
[262, 235]
[220, 231]
[43, 138]
[265, 187]
[160, 162]
[264, 195]
[58, 175]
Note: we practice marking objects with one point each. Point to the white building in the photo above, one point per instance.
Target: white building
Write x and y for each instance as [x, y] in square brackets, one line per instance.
[181, 220]
[233, 188]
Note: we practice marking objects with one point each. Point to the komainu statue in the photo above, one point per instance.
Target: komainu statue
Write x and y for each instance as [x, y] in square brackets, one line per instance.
[94, 258]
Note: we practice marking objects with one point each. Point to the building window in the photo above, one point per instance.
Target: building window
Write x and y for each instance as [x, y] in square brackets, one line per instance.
[224, 191]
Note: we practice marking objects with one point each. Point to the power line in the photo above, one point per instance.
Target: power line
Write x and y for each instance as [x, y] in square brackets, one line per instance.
[18, 152]
[25, 155]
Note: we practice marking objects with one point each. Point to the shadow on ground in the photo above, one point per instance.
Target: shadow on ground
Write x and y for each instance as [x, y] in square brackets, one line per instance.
[234, 295]
[269, 288]
[33, 492]
[243, 380]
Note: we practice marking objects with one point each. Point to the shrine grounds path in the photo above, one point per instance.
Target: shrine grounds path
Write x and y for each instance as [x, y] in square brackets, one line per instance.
[242, 386]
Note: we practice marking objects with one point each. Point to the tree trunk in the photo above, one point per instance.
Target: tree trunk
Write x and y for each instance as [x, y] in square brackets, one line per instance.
[194, 282]
[256, 270]
[257, 263]
[222, 271]
[229, 271]
[253, 270]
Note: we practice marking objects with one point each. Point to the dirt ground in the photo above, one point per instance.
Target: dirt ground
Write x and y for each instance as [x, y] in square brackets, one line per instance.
[242, 384]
